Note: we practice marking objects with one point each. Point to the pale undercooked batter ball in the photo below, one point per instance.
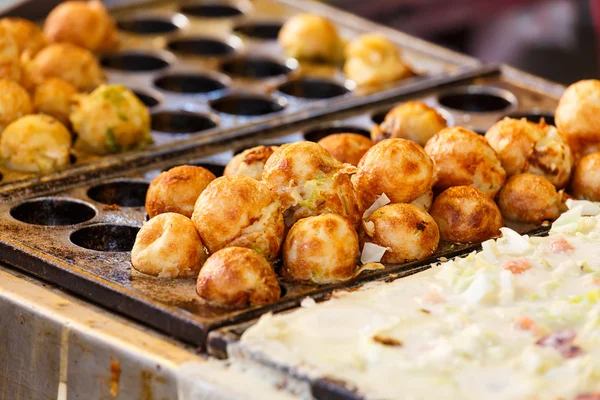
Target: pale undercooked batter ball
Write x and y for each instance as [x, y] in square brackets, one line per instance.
[412, 120]
[529, 198]
[177, 190]
[14, 102]
[321, 249]
[55, 97]
[346, 147]
[310, 37]
[371, 59]
[465, 214]
[250, 162]
[464, 158]
[409, 233]
[239, 211]
[309, 181]
[237, 277]
[399, 168]
[35, 143]
[524, 146]
[73, 64]
[27, 35]
[83, 23]
[168, 246]
[10, 59]
[111, 119]
[586, 178]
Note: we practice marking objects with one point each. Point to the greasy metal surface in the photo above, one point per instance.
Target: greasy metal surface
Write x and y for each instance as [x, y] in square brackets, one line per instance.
[55, 253]
[225, 45]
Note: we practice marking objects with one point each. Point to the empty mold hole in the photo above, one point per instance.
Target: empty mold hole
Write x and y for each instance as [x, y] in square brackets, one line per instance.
[105, 237]
[312, 88]
[478, 99]
[188, 83]
[211, 10]
[52, 212]
[148, 26]
[259, 30]
[201, 47]
[245, 105]
[134, 62]
[121, 193]
[254, 68]
[148, 100]
[180, 122]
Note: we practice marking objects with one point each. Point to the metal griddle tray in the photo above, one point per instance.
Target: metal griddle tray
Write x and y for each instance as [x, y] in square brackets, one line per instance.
[208, 69]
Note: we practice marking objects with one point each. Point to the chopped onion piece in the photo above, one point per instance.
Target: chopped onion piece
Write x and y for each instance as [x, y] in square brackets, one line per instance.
[489, 251]
[513, 244]
[377, 204]
[308, 302]
[479, 289]
[369, 228]
[568, 222]
[589, 208]
[372, 253]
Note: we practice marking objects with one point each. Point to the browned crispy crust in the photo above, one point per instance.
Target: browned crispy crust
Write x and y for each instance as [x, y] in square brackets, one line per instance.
[586, 178]
[27, 35]
[346, 147]
[255, 155]
[465, 214]
[55, 97]
[529, 198]
[237, 277]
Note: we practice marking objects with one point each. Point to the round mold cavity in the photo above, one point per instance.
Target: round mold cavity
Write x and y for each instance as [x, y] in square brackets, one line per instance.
[53, 212]
[133, 62]
[105, 237]
[180, 122]
[379, 116]
[150, 25]
[314, 135]
[254, 68]
[477, 99]
[216, 169]
[125, 193]
[246, 105]
[211, 10]
[201, 47]
[189, 83]
[313, 88]
[259, 30]
[534, 116]
[148, 100]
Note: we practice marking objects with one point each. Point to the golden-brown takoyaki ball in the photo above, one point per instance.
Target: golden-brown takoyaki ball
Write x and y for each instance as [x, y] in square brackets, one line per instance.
[73, 64]
[111, 119]
[399, 168]
[309, 181]
[55, 97]
[409, 233]
[14, 102]
[465, 214]
[372, 59]
[27, 35]
[168, 246]
[412, 120]
[529, 198]
[321, 249]
[177, 190]
[35, 143]
[83, 23]
[578, 115]
[586, 178]
[239, 211]
[464, 158]
[524, 146]
[237, 277]
[346, 147]
[310, 37]
[10, 59]
[250, 162]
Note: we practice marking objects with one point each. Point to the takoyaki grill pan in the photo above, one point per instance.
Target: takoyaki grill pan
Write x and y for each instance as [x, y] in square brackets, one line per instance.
[208, 68]
[79, 237]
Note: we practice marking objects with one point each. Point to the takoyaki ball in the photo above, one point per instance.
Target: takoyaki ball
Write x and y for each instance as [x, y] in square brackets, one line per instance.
[14, 102]
[239, 211]
[236, 277]
[529, 198]
[424, 201]
[73, 64]
[373, 60]
[412, 120]
[465, 214]
[399, 168]
[27, 35]
[578, 115]
[176, 190]
[10, 60]
[346, 147]
[586, 178]
[250, 162]
[321, 249]
[55, 97]
[464, 158]
[309, 181]
[35, 143]
[310, 37]
[168, 246]
[524, 146]
[409, 233]
[111, 119]
[83, 23]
